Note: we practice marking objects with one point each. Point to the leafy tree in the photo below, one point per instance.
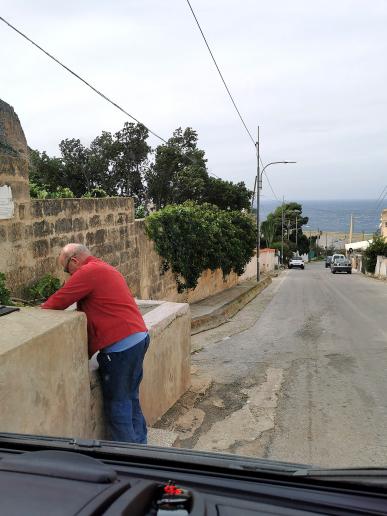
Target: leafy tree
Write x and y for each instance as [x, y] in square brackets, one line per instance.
[288, 247]
[293, 218]
[302, 243]
[45, 171]
[77, 171]
[268, 230]
[227, 195]
[131, 160]
[378, 247]
[179, 172]
[101, 160]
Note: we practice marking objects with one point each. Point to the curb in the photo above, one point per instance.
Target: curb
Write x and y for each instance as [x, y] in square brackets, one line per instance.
[221, 315]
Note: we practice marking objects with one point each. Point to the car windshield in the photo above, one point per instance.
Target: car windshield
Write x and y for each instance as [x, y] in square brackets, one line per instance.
[193, 265]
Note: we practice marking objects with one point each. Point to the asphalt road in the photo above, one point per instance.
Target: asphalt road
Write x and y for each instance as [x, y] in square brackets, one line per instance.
[300, 374]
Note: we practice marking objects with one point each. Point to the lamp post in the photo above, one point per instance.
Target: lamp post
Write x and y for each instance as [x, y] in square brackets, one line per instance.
[259, 187]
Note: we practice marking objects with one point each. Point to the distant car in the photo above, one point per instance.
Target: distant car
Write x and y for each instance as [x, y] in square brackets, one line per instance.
[341, 265]
[296, 261]
[328, 261]
[336, 257]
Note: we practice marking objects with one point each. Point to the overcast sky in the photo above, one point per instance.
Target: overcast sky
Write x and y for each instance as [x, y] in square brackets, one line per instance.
[312, 74]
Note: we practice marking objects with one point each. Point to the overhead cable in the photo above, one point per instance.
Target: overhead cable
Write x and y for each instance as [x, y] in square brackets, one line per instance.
[220, 73]
[80, 78]
[88, 84]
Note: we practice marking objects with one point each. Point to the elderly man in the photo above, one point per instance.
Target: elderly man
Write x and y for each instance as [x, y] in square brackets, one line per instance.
[115, 328]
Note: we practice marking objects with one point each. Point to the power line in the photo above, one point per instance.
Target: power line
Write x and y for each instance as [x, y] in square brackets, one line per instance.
[80, 78]
[227, 89]
[220, 73]
[271, 188]
[89, 85]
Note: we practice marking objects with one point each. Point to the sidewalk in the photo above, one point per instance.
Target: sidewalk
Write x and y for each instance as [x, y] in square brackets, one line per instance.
[206, 314]
[216, 310]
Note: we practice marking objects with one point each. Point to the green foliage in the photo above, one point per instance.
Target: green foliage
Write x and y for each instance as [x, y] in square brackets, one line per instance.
[43, 288]
[293, 220]
[95, 193]
[378, 247]
[43, 192]
[141, 212]
[114, 164]
[192, 238]
[119, 165]
[289, 250]
[180, 174]
[5, 294]
[227, 195]
[268, 230]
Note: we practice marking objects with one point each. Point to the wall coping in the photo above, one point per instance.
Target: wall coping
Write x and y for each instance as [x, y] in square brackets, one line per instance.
[20, 327]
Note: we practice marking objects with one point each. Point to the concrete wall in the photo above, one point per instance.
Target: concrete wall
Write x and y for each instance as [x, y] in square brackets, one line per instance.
[383, 221]
[44, 380]
[46, 387]
[381, 267]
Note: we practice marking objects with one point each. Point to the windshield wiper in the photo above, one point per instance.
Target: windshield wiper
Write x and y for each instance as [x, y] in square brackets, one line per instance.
[365, 476]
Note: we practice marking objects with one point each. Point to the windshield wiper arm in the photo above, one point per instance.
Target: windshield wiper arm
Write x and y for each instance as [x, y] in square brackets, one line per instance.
[367, 476]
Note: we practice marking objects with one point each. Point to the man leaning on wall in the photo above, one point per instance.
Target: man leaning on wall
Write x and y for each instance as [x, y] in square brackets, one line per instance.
[116, 329]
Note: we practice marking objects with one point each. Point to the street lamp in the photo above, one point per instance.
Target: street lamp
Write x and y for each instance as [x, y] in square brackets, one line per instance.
[259, 187]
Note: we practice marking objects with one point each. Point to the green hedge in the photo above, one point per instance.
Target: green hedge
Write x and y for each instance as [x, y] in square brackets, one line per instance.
[193, 237]
[378, 247]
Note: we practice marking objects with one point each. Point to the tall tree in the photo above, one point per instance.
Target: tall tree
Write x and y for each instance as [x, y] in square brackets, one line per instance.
[45, 171]
[179, 172]
[77, 173]
[131, 160]
[268, 230]
[227, 195]
[293, 222]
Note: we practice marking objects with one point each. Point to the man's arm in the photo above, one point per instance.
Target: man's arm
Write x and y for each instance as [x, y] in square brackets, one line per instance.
[76, 288]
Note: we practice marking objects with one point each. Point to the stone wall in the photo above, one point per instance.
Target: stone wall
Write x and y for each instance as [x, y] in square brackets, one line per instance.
[30, 246]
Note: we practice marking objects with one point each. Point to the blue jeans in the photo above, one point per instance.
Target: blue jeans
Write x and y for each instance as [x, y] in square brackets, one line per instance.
[121, 375]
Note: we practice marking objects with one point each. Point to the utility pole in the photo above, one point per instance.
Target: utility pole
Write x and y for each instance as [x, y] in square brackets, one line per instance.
[259, 186]
[282, 233]
[296, 236]
[326, 244]
[351, 229]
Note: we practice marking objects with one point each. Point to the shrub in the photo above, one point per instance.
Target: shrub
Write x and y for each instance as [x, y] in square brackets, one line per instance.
[43, 288]
[5, 294]
[141, 212]
[95, 193]
[43, 192]
[192, 238]
[378, 247]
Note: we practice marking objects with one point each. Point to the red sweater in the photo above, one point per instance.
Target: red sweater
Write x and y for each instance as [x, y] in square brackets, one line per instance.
[102, 293]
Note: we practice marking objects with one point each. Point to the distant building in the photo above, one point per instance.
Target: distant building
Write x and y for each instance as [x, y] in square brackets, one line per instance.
[383, 224]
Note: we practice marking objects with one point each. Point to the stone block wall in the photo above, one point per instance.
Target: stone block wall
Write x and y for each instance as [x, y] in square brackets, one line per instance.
[30, 246]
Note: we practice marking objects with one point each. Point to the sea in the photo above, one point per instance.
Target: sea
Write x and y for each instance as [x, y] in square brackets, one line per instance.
[335, 215]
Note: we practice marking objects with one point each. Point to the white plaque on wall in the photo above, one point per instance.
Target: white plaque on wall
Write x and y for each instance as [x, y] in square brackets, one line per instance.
[6, 202]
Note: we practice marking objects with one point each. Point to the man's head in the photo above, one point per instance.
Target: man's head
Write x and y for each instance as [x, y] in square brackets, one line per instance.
[73, 256]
